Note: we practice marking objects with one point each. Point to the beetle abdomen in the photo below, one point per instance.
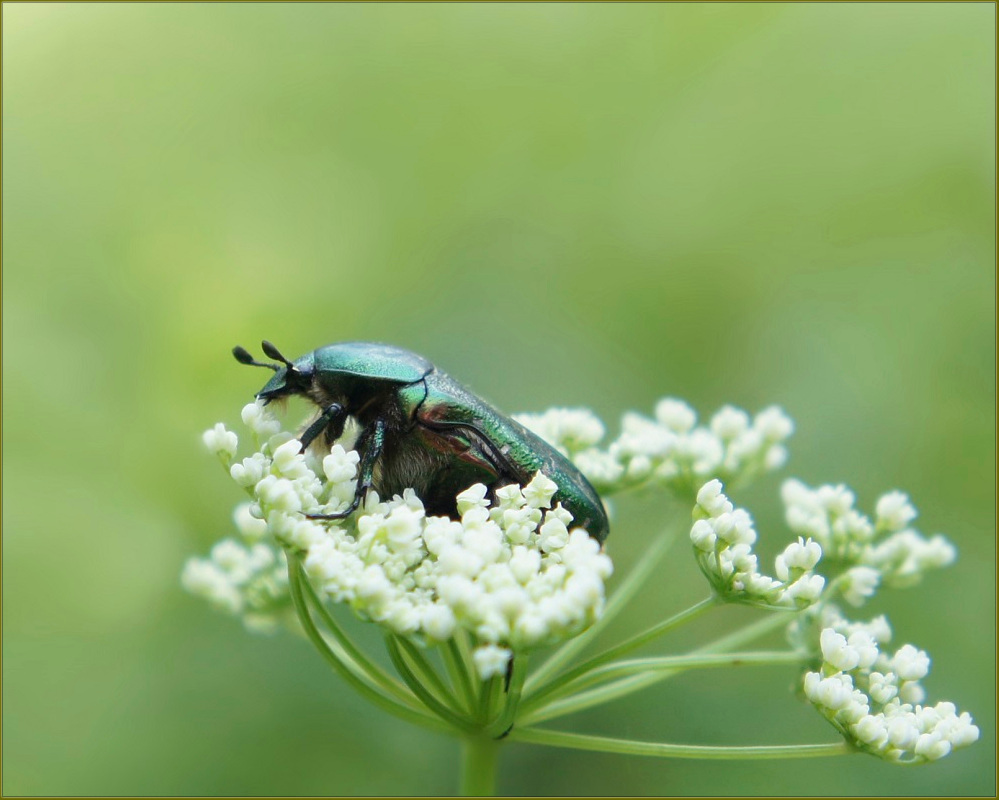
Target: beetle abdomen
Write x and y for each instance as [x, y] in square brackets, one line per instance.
[493, 443]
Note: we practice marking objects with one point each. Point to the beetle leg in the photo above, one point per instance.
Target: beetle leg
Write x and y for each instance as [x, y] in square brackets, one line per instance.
[334, 414]
[370, 443]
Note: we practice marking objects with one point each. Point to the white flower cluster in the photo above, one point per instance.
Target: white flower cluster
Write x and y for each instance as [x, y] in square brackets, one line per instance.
[885, 551]
[723, 538]
[511, 572]
[247, 579]
[875, 700]
[576, 433]
[669, 450]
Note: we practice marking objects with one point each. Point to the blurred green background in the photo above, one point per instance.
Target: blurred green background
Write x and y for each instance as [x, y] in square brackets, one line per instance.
[559, 204]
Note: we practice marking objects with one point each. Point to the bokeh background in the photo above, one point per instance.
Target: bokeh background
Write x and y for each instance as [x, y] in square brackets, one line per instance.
[573, 204]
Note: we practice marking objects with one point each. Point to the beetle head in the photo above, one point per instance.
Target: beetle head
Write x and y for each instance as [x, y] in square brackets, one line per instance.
[289, 379]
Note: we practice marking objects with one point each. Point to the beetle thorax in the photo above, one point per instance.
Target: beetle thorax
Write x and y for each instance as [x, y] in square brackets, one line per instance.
[322, 396]
[363, 400]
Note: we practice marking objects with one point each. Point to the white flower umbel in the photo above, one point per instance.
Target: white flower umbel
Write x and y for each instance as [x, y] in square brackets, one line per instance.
[884, 552]
[513, 573]
[669, 450]
[877, 702]
[510, 573]
[248, 579]
[723, 537]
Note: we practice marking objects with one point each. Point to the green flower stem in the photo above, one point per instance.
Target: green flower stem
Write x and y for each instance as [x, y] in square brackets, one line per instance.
[458, 671]
[594, 697]
[485, 700]
[675, 664]
[618, 600]
[605, 744]
[509, 713]
[426, 673]
[431, 702]
[479, 757]
[375, 672]
[495, 696]
[625, 647]
[415, 716]
[627, 686]
[739, 637]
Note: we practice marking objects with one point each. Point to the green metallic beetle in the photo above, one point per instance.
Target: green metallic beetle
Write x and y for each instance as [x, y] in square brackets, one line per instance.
[420, 429]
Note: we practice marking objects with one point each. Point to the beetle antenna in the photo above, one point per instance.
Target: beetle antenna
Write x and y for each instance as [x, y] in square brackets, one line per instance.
[243, 357]
[272, 352]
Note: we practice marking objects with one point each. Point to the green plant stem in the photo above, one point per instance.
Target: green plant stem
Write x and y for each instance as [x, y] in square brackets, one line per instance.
[635, 683]
[625, 647]
[618, 600]
[493, 707]
[479, 757]
[509, 713]
[365, 664]
[425, 697]
[674, 664]
[739, 637]
[427, 674]
[362, 687]
[605, 744]
[458, 671]
[485, 700]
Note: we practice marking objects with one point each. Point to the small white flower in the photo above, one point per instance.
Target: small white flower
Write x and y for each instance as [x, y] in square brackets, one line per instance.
[912, 692]
[288, 460]
[775, 458]
[872, 730]
[552, 535]
[702, 535]
[882, 688]
[439, 622]
[806, 590]
[866, 648]
[473, 497]
[250, 470]
[911, 664]
[894, 512]
[836, 652]
[491, 660]
[340, 465]
[221, 441]
[729, 422]
[858, 584]
[773, 424]
[509, 497]
[278, 494]
[252, 528]
[711, 499]
[539, 492]
[568, 429]
[600, 467]
[801, 556]
[258, 419]
[205, 579]
[932, 746]
[902, 733]
[675, 415]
